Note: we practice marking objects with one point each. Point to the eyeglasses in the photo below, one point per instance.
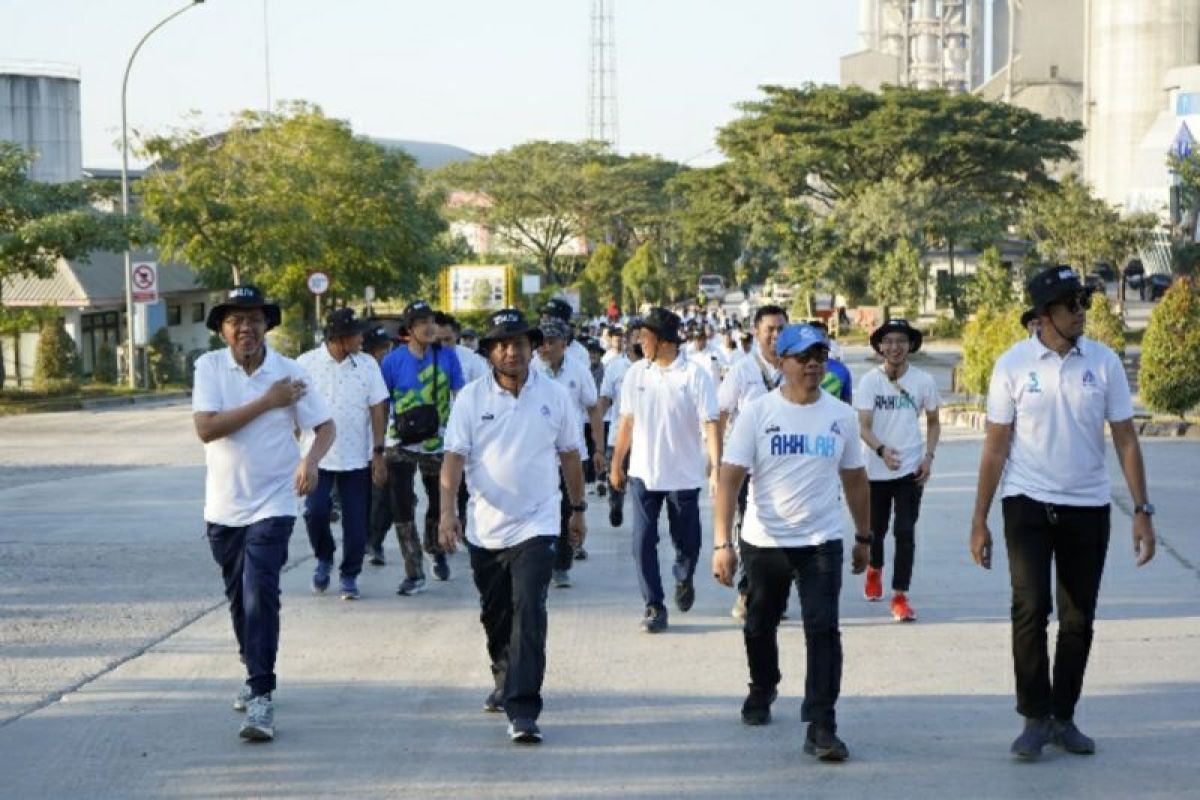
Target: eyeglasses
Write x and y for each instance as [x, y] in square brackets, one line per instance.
[1080, 301]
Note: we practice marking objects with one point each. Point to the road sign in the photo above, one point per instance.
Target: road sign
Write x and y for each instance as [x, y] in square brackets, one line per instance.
[144, 281]
[318, 283]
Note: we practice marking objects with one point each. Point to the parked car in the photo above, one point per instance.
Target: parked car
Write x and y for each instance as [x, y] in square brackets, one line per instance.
[1096, 283]
[1155, 286]
[713, 287]
[1135, 273]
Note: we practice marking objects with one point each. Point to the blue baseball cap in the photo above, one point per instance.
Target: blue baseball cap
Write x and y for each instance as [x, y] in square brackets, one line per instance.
[798, 338]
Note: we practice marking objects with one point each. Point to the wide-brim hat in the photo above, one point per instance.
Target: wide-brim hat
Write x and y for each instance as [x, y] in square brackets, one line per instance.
[508, 323]
[1053, 284]
[343, 322]
[664, 324]
[798, 338]
[915, 337]
[375, 336]
[243, 297]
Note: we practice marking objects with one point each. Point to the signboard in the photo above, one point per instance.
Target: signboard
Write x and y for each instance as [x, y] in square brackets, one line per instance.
[531, 284]
[318, 283]
[144, 281]
[477, 287]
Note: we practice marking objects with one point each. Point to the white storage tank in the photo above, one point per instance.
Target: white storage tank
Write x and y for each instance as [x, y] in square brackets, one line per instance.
[39, 110]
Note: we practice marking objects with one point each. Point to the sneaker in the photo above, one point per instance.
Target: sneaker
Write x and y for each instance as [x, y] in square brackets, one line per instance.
[580, 554]
[655, 620]
[757, 708]
[822, 742]
[1064, 734]
[739, 607]
[411, 586]
[243, 697]
[259, 725]
[901, 610]
[350, 589]
[441, 568]
[561, 579]
[524, 731]
[873, 588]
[602, 487]
[1028, 746]
[375, 557]
[494, 704]
[616, 516]
[685, 595]
[320, 578]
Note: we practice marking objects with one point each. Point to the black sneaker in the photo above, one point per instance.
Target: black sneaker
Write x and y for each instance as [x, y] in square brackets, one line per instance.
[685, 595]
[757, 708]
[1064, 734]
[494, 704]
[441, 569]
[616, 516]
[1028, 746]
[375, 557]
[822, 742]
[524, 731]
[655, 620]
[580, 554]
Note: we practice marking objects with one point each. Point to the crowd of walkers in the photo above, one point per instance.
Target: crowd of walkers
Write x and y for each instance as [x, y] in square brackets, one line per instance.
[511, 429]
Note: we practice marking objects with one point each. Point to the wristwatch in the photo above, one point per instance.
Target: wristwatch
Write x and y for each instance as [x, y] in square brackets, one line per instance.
[864, 538]
[879, 451]
[378, 450]
[1144, 508]
[579, 509]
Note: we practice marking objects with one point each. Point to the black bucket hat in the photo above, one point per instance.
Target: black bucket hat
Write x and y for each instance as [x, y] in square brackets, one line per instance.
[508, 323]
[417, 309]
[243, 297]
[1054, 284]
[915, 337]
[664, 324]
[376, 336]
[343, 322]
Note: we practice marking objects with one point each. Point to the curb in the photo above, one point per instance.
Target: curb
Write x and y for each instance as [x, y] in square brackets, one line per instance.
[130, 400]
[974, 419]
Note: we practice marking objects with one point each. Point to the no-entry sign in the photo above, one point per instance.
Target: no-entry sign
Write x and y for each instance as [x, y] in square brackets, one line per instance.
[144, 280]
[318, 283]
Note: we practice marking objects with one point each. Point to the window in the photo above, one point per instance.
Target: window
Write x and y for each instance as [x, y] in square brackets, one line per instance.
[174, 315]
[1053, 71]
[197, 312]
[1187, 103]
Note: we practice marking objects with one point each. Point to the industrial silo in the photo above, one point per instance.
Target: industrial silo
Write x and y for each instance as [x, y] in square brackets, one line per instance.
[1130, 47]
[39, 110]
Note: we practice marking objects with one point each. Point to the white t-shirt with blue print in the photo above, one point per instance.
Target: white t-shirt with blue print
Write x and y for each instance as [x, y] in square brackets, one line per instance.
[795, 454]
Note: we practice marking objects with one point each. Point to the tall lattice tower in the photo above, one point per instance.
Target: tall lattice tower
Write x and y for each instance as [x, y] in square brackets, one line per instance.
[602, 75]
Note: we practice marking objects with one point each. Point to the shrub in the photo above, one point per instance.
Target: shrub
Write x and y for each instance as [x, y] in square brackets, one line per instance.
[56, 366]
[294, 336]
[105, 371]
[946, 327]
[160, 355]
[1104, 325]
[985, 338]
[1169, 381]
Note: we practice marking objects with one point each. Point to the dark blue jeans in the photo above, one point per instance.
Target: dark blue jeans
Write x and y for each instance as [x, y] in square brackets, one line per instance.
[354, 487]
[817, 571]
[683, 521]
[251, 558]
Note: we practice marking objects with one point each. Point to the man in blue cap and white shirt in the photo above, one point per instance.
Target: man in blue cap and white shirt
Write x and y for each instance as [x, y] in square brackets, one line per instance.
[1049, 398]
[247, 403]
[800, 447]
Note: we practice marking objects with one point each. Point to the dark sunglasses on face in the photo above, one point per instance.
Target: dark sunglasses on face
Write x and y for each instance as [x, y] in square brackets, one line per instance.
[815, 354]
[1081, 301]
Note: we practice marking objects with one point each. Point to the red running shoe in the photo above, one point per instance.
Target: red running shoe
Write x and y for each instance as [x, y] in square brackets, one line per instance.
[873, 590]
[901, 610]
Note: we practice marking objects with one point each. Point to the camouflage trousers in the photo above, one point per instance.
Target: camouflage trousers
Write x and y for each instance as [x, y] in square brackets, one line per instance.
[403, 467]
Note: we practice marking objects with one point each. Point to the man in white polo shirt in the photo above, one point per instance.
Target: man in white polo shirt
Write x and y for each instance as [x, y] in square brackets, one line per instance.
[1049, 398]
[352, 387]
[890, 403]
[799, 446]
[666, 401]
[513, 430]
[610, 405]
[247, 402]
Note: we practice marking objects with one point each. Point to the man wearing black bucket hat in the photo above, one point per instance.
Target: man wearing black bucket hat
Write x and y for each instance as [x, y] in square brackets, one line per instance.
[352, 387]
[247, 401]
[891, 401]
[1049, 398]
[513, 430]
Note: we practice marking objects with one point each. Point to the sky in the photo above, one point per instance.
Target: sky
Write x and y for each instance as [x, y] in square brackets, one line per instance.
[479, 74]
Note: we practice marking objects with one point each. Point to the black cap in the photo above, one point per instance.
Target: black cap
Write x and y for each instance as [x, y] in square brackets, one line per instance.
[508, 323]
[417, 309]
[663, 323]
[375, 337]
[1053, 284]
[343, 322]
[897, 326]
[243, 297]
[559, 309]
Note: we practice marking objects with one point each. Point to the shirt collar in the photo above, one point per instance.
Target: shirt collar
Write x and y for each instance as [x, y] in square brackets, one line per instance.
[532, 378]
[270, 360]
[1040, 350]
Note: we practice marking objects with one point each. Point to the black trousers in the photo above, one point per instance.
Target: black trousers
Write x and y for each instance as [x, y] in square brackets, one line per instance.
[564, 552]
[589, 468]
[380, 521]
[904, 495]
[512, 585]
[1075, 539]
[817, 573]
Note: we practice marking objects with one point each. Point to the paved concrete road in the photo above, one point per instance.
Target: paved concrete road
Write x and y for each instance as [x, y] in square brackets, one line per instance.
[382, 697]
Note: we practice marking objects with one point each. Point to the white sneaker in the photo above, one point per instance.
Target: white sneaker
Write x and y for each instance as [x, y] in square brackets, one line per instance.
[260, 719]
[243, 697]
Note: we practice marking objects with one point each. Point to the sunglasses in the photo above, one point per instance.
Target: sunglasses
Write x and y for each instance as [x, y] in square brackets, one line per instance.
[813, 354]
[1080, 301]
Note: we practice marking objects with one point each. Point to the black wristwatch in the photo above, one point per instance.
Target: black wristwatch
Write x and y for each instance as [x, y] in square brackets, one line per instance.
[1144, 508]
[864, 539]
[379, 449]
[579, 509]
[879, 451]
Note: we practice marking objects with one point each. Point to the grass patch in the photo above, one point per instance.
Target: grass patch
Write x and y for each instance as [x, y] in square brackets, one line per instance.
[22, 401]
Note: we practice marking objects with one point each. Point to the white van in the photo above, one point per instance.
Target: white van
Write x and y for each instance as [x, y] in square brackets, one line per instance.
[713, 287]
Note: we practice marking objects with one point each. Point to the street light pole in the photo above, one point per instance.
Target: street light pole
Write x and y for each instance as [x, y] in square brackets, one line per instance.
[129, 354]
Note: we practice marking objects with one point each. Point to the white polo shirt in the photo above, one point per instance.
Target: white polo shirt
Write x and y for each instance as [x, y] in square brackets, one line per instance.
[897, 408]
[749, 378]
[1057, 407]
[251, 472]
[349, 388]
[473, 365]
[795, 454]
[511, 446]
[610, 387]
[666, 405]
[578, 382]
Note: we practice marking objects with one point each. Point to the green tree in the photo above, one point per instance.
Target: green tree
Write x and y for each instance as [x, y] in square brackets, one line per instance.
[985, 338]
[897, 281]
[56, 364]
[294, 335]
[705, 231]
[992, 284]
[603, 274]
[1104, 325]
[281, 194]
[1169, 376]
[642, 277]
[41, 223]
[105, 370]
